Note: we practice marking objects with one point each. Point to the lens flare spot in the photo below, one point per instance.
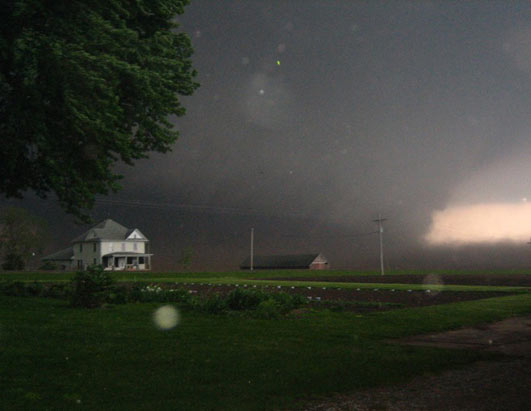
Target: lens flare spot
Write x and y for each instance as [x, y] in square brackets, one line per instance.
[432, 284]
[166, 317]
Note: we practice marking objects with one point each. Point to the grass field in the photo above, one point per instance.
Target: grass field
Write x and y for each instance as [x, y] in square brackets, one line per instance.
[57, 357]
[241, 275]
[269, 277]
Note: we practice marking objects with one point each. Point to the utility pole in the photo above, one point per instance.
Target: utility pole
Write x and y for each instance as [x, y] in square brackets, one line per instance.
[252, 248]
[380, 220]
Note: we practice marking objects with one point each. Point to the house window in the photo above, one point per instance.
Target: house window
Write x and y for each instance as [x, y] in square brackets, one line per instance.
[80, 247]
[140, 260]
[111, 247]
[123, 246]
[95, 248]
[95, 261]
[135, 246]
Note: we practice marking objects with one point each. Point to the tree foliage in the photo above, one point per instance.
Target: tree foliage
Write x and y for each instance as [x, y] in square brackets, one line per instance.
[85, 84]
[90, 287]
[21, 236]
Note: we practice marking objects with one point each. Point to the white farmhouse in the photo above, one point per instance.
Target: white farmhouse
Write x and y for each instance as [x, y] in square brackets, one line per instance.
[109, 244]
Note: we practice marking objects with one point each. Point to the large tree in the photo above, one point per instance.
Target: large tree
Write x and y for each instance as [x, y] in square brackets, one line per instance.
[85, 84]
[22, 235]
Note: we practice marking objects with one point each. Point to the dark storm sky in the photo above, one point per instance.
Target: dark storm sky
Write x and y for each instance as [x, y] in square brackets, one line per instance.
[314, 116]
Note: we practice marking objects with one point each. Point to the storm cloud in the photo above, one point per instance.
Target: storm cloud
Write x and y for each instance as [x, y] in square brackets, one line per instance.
[313, 117]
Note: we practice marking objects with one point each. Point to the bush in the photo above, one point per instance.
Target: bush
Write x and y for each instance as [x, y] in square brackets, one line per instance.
[153, 293]
[62, 291]
[269, 309]
[287, 302]
[48, 266]
[240, 299]
[90, 288]
[13, 288]
[214, 304]
[117, 295]
[267, 305]
[34, 289]
[13, 262]
[95, 287]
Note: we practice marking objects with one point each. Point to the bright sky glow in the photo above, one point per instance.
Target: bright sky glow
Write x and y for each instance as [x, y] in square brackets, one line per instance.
[481, 223]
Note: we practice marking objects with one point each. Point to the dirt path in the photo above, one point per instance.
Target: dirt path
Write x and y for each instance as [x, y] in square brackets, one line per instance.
[496, 385]
[522, 280]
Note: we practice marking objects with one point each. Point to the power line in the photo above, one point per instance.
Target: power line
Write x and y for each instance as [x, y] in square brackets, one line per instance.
[195, 207]
[325, 236]
[158, 205]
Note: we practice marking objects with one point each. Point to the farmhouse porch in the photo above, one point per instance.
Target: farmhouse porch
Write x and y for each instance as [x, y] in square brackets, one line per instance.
[126, 261]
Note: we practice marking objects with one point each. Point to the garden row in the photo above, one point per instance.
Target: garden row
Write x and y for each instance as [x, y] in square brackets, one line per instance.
[95, 288]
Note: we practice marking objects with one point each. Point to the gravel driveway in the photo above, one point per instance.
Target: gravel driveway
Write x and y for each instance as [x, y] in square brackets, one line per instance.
[504, 384]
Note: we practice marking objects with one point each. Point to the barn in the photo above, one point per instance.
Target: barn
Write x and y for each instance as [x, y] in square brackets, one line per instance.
[287, 262]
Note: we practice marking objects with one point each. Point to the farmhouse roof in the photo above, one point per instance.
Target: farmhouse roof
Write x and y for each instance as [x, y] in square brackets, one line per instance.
[106, 230]
[280, 261]
[66, 254]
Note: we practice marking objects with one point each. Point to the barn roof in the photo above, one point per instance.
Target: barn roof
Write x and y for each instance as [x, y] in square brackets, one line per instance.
[280, 261]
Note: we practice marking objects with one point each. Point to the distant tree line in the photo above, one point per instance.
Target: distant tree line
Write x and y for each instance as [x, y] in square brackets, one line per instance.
[22, 236]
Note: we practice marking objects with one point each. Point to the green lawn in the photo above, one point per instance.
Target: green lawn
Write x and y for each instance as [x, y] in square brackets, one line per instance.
[255, 275]
[57, 357]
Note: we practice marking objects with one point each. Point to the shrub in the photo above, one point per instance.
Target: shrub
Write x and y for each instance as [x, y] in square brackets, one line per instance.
[117, 295]
[13, 288]
[287, 302]
[13, 261]
[94, 287]
[135, 294]
[153, 293]
[90, 288]
[239, 299]
[214, 304]
[34, 289]
[48, 266]
[178, 295]
[62, 291]
[269, 304]
[269, 309]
